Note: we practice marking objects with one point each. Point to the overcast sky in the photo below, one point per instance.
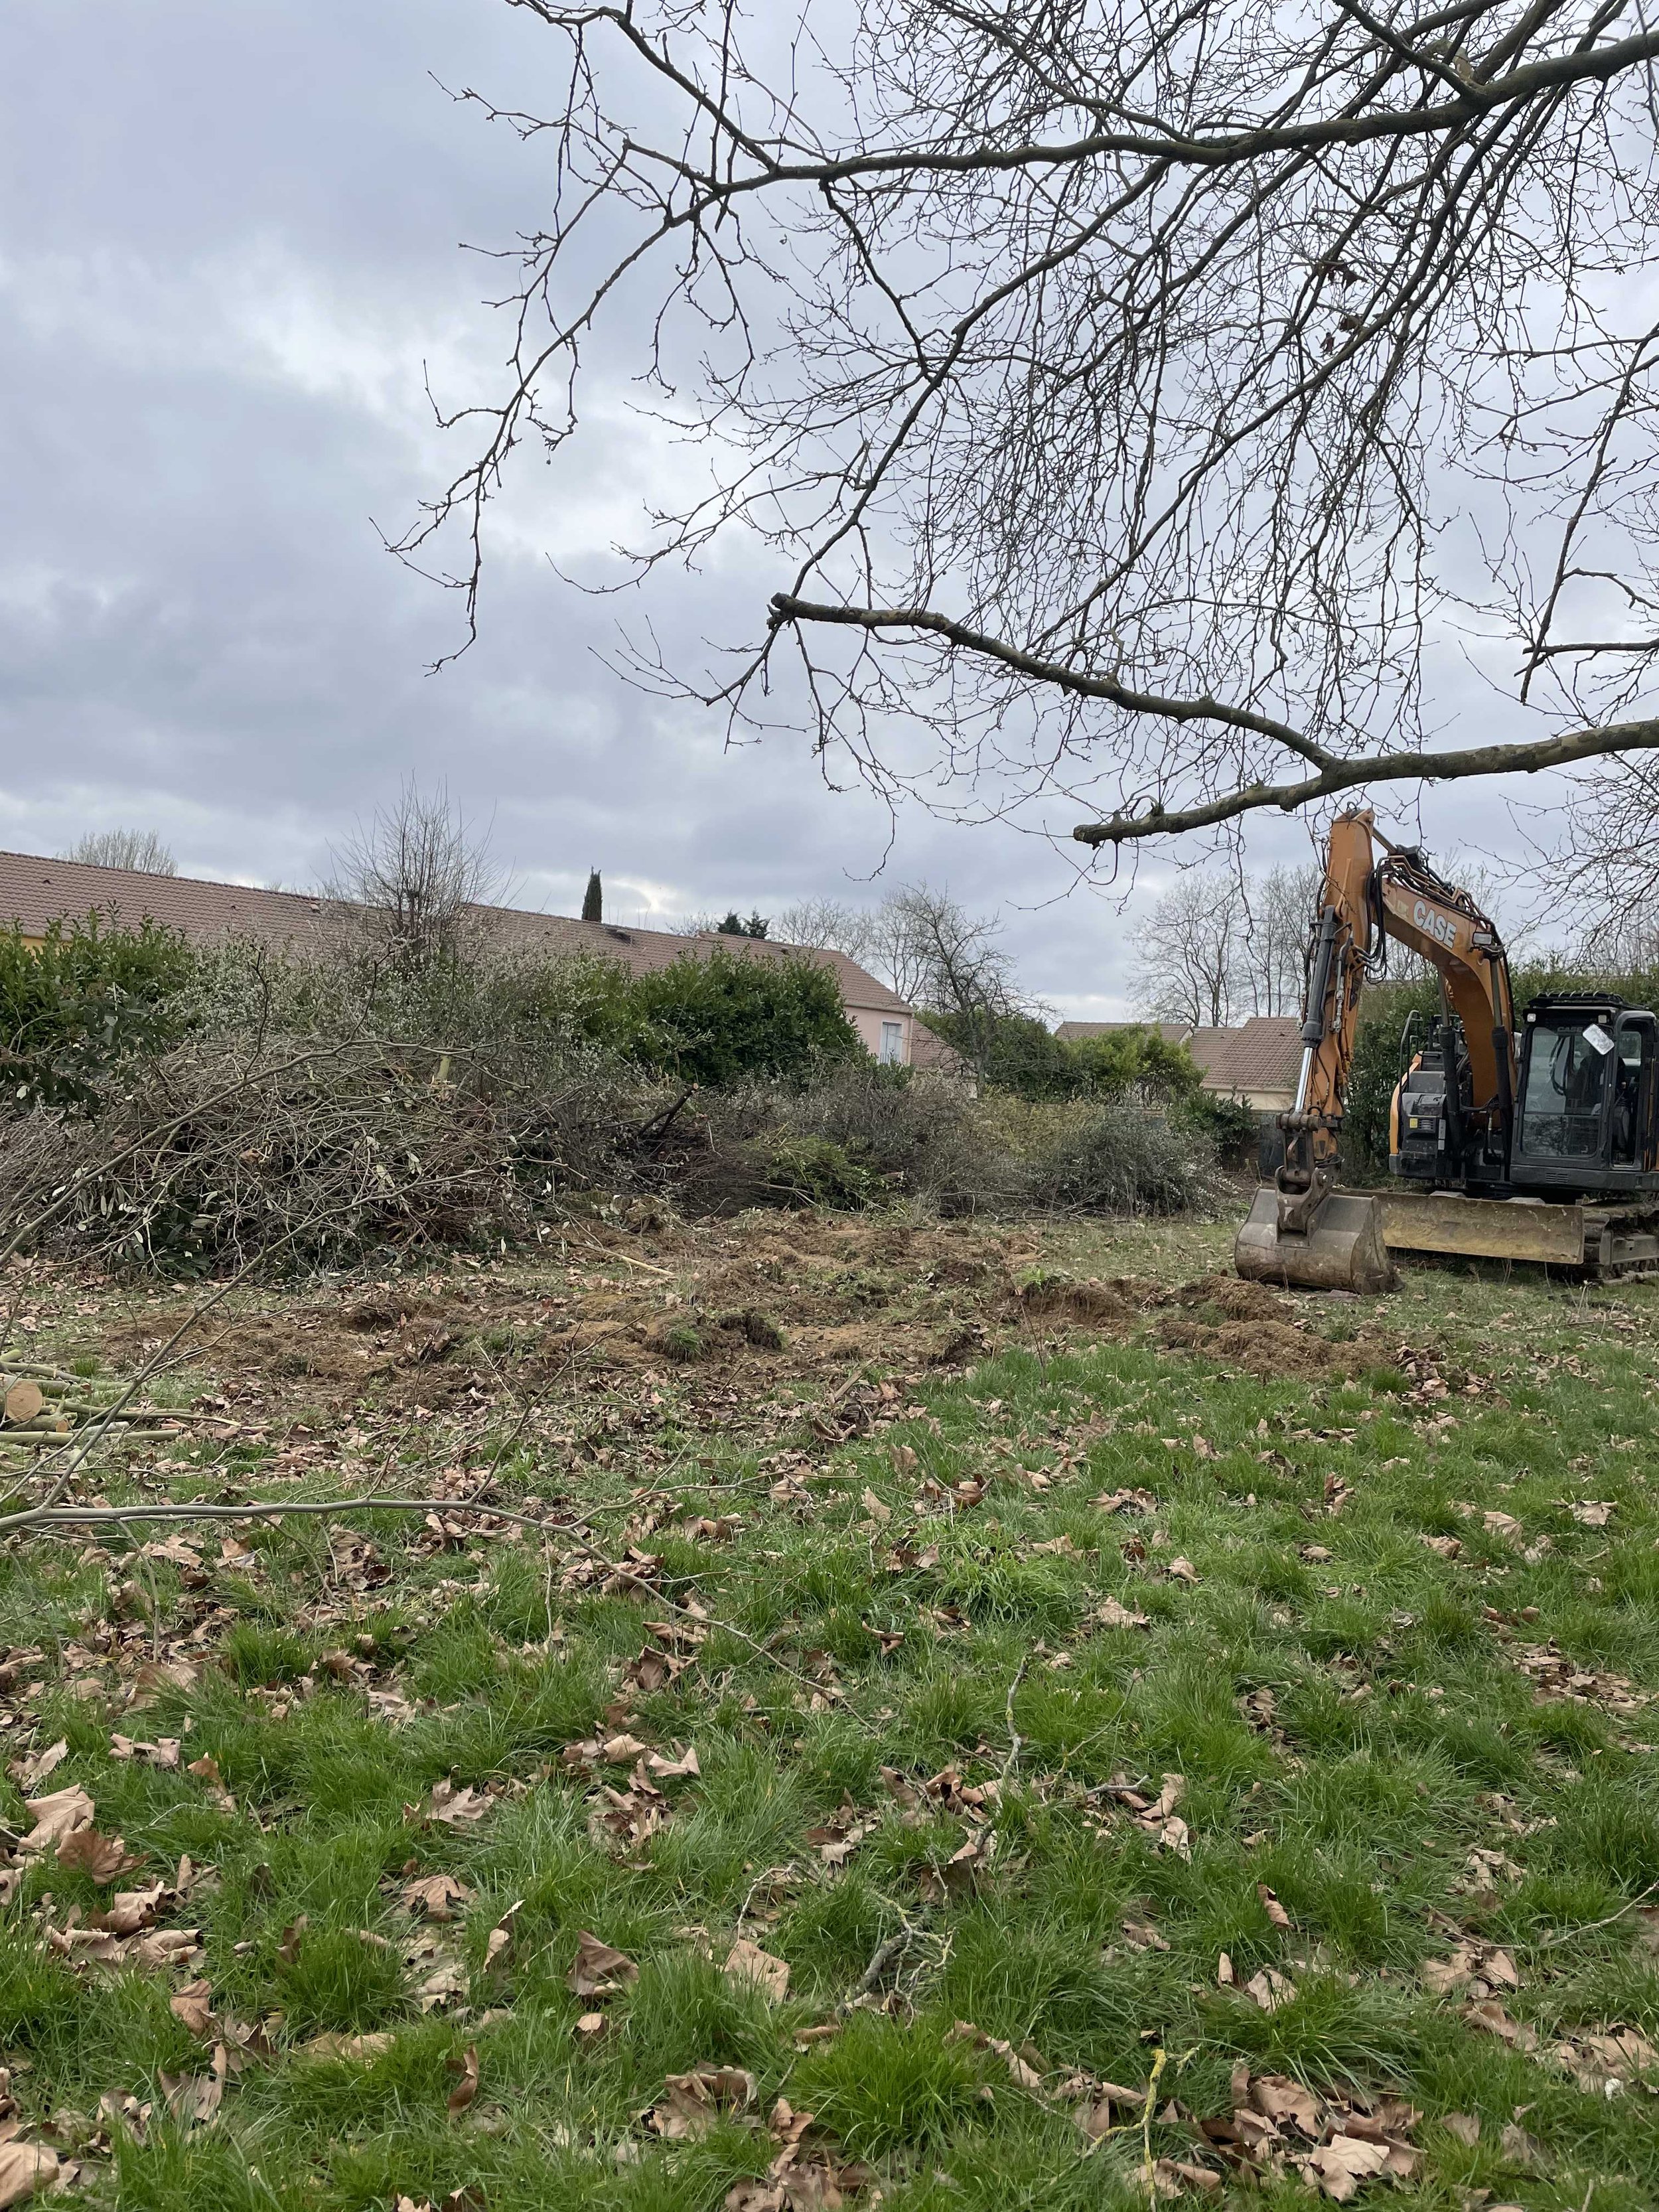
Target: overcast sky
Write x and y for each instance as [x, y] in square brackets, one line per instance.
[229, 242]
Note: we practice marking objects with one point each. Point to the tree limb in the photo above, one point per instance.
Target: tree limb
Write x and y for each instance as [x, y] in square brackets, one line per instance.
[1078, 681]
[1382, 768]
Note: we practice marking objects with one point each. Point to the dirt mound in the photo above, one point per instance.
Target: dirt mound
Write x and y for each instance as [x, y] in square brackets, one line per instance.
[1120, 1300]
[1264, 1348]
[1232, 1296]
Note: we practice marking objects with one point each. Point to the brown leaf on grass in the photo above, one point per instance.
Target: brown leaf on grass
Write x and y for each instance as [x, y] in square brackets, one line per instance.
[1270, 1989]
[1448, 1547]
[1339, 2166]
[1174, 2176]
[206, 1769]
[103, 1858]
[751, 1967]
[164, 1753]
[876, 1508]
[446, 1981]
[1025, 2066]
[1502, 1525]
[1615, 2056]
[1591, 1512]
[435, 1896]
[499, 1941]
[64, 1813]
[1279, 2098]
[591, 2026]
[1141, 1936]
[466, 2088]
[455, 1808]
[1271, 1906]
[1466, 2126]
[25, 2169]
[29, 1773]
[194, 2099]
[1491, 2015]
[597, 1971]
[662, 1768]
[691, 2103]
[960, 1871]
[1108, 1613]
[193, 2005]
[364, 2048]
[288, 1944]
[130, 1909]
[1181, 1570]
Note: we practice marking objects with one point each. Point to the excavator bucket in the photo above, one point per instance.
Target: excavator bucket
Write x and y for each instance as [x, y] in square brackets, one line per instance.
[1342, 1250]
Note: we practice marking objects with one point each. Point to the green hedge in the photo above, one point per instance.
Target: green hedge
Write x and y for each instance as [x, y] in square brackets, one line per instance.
[76, 1005]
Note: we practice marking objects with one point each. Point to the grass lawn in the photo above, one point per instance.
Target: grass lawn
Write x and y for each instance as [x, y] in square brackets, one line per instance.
[1099, 1716]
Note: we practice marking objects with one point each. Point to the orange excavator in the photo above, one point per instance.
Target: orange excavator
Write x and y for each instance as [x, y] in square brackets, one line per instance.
[1539, 1145]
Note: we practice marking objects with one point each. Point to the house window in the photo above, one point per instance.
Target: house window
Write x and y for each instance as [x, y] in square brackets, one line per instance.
[892, 1043]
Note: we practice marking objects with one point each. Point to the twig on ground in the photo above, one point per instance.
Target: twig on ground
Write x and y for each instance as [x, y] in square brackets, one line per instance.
[1015, 1740]
[1589, 1927]
[891, 1948]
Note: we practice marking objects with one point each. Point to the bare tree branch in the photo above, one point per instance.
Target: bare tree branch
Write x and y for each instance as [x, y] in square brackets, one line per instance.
[1218, 367]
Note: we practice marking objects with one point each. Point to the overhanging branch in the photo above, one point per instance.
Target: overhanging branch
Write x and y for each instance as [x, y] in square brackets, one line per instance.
[1081, 683]
[1379, 768]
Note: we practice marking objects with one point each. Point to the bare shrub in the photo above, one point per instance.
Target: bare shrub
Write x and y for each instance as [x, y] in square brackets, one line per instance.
[308, 1157]
[1115, 1155]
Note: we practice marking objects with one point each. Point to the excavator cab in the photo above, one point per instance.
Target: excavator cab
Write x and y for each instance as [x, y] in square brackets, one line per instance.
[1587, 1106]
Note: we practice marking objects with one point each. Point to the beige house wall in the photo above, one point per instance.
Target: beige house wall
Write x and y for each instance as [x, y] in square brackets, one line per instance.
[868, 1021]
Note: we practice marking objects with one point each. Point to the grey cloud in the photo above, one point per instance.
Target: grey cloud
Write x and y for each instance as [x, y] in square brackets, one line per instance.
[229, 237]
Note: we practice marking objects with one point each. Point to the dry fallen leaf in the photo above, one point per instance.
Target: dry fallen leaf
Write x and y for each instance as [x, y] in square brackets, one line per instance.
[29, 1773]
[751, 1967]
[693, 2102]
[467, 2088]
[24, 2169]
[499, 1941]
[1271, 1906]
[1270, 1989]
[1466, 2126]
[367, 2048]
[1340, 2164]
[662, 1768]
[435, 1896]
[195, 2099]
[104, 1857]
[1110, 1615]
[63, 1813]
[193, 2005]
[598, 1971]
[876, 1508]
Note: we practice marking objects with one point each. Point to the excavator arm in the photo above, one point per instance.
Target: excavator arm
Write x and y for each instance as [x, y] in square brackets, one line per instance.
[1309, 1235]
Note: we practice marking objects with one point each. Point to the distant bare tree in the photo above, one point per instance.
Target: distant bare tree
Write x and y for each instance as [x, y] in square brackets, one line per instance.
[1188, 966]
[826, 924]
[1278, 912]
[414, 870]
[125, 849]
[1126, 395]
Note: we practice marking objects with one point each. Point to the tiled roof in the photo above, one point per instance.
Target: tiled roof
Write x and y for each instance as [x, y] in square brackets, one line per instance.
[36, 892]
[643, 950]
[1264, 1054]
[1079, 1032]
